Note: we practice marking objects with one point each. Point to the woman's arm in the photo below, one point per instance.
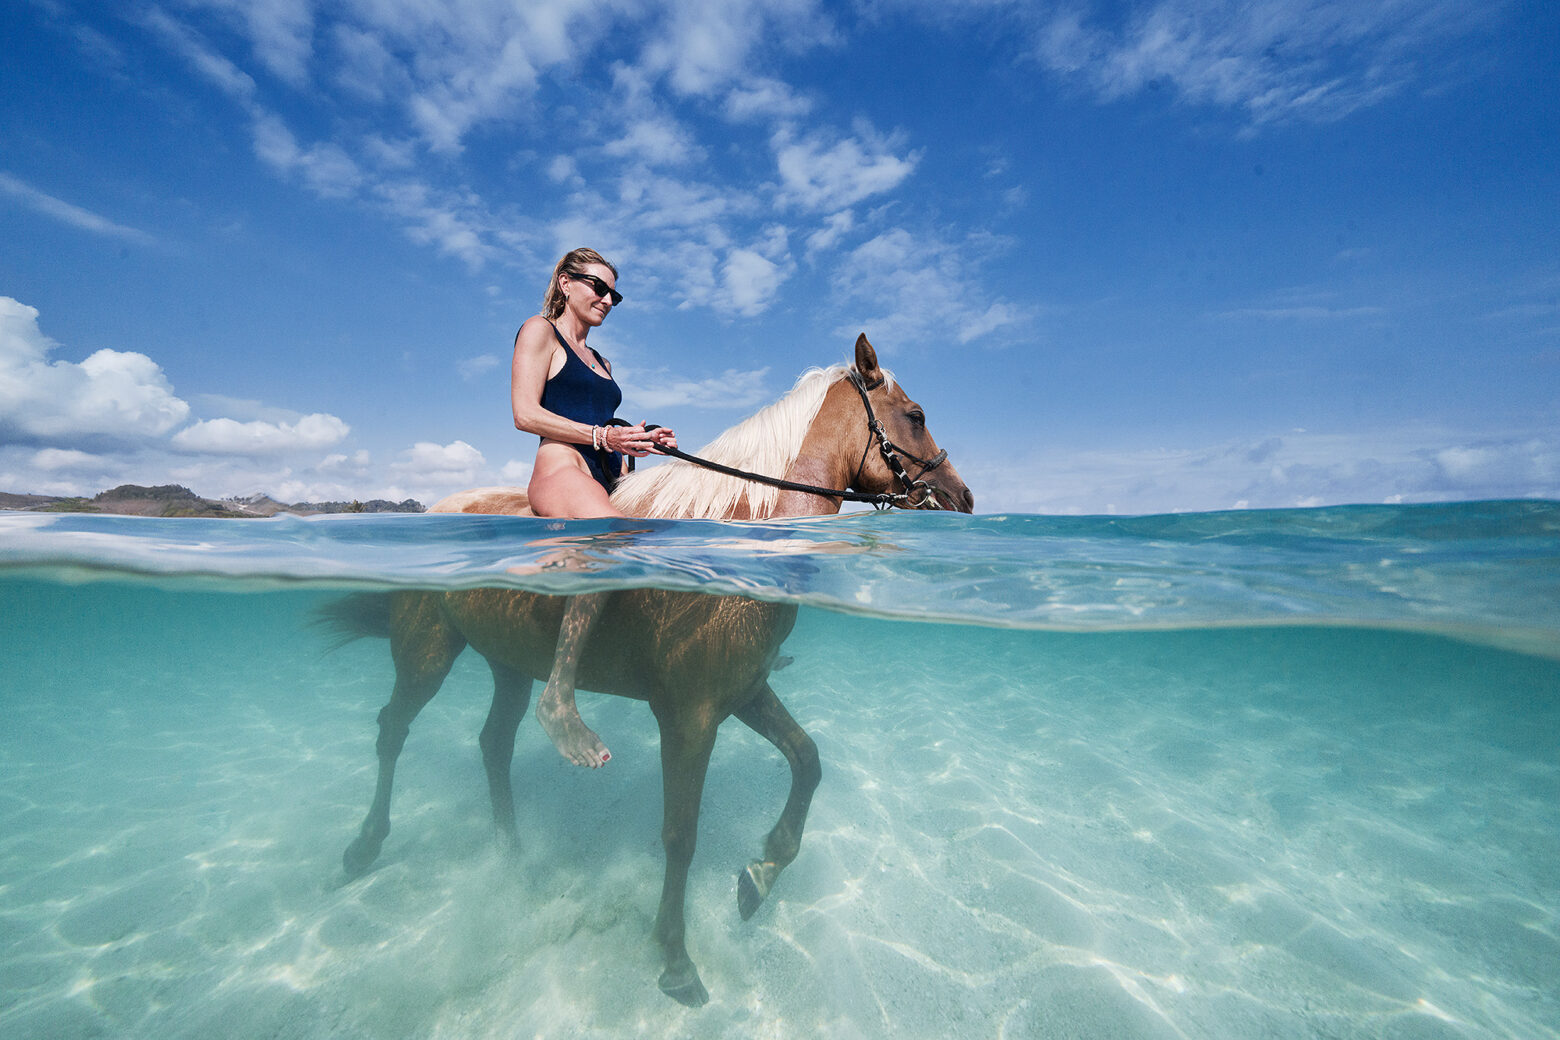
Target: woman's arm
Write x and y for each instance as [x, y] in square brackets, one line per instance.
[535, 350]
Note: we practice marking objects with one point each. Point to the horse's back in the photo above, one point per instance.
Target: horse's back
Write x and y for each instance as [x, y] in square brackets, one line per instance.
[502, 501]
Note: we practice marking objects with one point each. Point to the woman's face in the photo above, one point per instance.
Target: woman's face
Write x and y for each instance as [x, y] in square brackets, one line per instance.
[583, 300]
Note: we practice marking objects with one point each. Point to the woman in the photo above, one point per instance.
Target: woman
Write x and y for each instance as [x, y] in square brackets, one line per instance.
[564, 392]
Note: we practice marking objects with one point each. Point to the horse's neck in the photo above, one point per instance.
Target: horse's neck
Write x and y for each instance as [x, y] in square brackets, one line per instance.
[823, 461]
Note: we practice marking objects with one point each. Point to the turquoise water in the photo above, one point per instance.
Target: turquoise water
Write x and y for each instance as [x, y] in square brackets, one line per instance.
[1279, 774]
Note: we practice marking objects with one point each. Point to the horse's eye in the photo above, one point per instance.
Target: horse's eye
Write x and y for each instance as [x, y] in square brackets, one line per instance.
[918, 419]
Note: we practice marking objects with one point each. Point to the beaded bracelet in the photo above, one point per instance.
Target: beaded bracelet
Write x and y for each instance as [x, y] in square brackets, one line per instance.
[595, 437]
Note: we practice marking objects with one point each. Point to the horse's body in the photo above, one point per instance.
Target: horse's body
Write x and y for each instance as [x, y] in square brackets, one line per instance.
[696, 658]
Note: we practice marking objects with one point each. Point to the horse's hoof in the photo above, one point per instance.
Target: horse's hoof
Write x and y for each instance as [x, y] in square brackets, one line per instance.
[753, 883]
[360, 855]
[683, 986]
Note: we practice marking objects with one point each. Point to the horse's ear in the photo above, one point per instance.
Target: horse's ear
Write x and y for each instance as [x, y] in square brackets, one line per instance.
[867, 362]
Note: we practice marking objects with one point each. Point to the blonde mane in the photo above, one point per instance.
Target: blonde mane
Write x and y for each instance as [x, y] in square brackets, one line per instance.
[766, 442]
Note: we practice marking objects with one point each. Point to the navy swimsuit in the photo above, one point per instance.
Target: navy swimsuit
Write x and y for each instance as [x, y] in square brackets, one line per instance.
[578, 393]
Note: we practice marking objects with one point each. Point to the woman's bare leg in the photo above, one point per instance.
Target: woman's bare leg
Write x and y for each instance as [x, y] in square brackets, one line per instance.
[556, 711]
[569, 492]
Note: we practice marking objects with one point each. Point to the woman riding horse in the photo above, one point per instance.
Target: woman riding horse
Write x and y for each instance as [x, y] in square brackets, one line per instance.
[697, 659]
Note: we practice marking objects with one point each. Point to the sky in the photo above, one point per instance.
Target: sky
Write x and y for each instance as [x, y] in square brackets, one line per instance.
[1131, 257]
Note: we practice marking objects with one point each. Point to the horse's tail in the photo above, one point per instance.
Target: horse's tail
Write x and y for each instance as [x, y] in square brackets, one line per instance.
[358, 616]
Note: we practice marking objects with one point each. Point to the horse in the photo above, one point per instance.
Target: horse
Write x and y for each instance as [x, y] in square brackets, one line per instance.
[696, 658]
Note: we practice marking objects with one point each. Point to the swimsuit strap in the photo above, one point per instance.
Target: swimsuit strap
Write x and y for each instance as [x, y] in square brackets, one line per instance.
[571, 351]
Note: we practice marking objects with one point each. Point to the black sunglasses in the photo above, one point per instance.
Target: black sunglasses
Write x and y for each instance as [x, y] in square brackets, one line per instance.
[599, 287]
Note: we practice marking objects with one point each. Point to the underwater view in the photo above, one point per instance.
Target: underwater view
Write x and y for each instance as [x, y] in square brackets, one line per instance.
[1279, 774]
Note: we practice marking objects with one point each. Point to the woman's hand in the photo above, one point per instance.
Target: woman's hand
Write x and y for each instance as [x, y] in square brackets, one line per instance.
[636, 440]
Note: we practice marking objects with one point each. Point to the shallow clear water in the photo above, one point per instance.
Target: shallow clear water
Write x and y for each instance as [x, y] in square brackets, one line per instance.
[1285, 774]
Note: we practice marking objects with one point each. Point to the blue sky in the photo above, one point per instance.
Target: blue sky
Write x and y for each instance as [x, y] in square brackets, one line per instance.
[1132, 257]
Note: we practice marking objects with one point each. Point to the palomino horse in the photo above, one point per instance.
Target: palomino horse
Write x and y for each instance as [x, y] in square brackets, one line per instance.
[695, 658]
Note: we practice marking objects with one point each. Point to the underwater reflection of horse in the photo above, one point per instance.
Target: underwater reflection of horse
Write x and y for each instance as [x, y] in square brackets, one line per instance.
[696, 658]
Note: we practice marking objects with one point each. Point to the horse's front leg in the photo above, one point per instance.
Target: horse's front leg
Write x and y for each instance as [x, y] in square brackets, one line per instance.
[768, 718]
[511, 697]
[424, 646]
[687, 737]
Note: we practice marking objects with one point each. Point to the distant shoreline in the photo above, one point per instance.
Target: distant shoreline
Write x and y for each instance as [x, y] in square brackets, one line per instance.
[174, 500]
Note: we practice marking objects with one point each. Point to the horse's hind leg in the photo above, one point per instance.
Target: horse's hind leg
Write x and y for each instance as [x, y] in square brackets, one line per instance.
[768, 717]
[687, 737]
[511, 696]
[424, 645]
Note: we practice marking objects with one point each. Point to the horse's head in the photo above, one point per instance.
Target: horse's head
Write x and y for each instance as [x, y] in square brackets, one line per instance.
[900, 456]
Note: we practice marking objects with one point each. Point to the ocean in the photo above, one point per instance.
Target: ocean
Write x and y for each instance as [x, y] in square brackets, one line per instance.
[1273, 774]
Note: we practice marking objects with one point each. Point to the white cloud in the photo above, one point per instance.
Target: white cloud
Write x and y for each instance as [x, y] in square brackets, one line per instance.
[452, 466]
[656, 142]
[71, 428]
[749, 281]
[230, 437]
[834, 228]
[114, 394]
[563, 169]
[819, 174]
[765, 99]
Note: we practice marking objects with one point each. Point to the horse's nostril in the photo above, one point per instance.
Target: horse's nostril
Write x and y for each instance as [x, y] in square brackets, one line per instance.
[968, 499]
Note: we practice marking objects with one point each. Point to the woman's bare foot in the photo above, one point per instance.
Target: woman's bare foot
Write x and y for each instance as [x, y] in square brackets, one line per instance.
[574, 740]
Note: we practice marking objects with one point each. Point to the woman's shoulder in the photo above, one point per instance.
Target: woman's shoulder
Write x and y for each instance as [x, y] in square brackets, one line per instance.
[535, 332]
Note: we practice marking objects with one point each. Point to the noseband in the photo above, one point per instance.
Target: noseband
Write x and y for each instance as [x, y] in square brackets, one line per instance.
[892, 455]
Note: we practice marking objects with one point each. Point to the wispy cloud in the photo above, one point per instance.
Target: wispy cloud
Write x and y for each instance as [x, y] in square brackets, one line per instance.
[66, 213]
[659, 393]
[201, 56]
[1288, 470]
[280, 31]
[1312, 313]
[914, 288]
[475, 368]
[1274, 60]
[702, 46]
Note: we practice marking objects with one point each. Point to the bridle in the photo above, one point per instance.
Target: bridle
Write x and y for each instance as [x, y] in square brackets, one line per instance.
[917, 494]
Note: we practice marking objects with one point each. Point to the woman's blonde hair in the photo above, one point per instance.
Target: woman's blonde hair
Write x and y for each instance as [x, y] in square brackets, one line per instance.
[574, 262]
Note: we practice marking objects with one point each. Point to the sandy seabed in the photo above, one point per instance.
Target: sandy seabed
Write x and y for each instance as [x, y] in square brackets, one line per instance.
[1261, 833]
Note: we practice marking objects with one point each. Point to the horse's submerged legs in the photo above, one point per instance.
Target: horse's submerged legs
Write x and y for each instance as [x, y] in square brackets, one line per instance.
[511, 697]
[687, 737]
[767, 717]
[423, 645]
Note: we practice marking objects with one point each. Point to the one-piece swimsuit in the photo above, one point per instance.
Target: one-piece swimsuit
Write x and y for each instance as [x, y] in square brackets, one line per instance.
[575, 392]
